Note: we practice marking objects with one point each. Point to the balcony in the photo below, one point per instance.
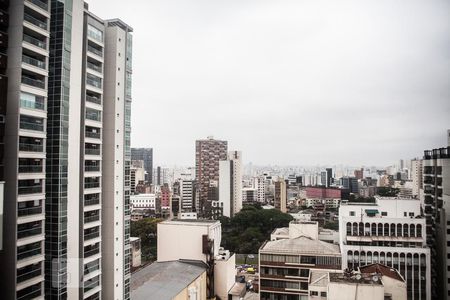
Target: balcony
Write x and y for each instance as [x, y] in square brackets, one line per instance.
[94, 99]
[92, 151]
[30, 292]
[30, 169]
[34, 41]
[35, 189]
[92, 168]
[32, 104]
[28, 272]
[31, 126]
[93, 114]
[38, 83]
[91, 235]
[95, 51]
[91, 218]
[33, 61]
[91, 182]
[91, 283]
[29, 250]
[91, 199]
[93, 135]
[91, 267]
[29, 229]
[27, 147]
[91, 250]
[40, 4]
[94, 67]
[29, 211]
[36, 22]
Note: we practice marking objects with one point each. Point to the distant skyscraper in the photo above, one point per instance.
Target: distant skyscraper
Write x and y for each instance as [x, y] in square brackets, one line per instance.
[329, 176]
[350, 183]
[145, 154]
[280, 197]
[436, 200]
[208, 153]
[359, 174]
[187, 195]
[416, 176]
[230, 184]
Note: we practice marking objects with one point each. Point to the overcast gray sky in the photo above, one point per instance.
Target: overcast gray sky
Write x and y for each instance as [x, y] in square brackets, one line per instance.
[300, 82]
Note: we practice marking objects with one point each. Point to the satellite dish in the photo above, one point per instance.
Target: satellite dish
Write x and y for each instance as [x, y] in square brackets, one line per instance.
[375, 278]
[358, 276]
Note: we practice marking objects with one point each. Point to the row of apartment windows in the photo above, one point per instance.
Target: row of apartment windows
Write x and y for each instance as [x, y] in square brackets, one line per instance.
[280, 284]
[302, 259]
[285, 272]
[380, 229]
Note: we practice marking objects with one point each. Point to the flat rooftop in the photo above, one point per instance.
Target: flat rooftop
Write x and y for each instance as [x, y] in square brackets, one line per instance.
[355, 279]
[164, 280]
[301, 245]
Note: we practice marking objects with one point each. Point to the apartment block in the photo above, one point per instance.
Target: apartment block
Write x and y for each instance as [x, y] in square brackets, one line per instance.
[392, 232]
[230, 184]
[280, 196]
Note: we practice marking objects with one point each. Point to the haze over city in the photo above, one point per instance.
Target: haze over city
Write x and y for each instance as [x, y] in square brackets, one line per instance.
[294, 82]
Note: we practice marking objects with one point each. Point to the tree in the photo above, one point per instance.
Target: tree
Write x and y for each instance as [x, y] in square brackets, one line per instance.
[146, 230]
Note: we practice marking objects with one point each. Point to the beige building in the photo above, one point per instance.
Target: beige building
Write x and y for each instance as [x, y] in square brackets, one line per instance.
[280, 195]
[136, 253]
[173, 280]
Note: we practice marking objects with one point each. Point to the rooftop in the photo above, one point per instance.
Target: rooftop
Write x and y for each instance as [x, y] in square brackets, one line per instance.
[190, 221]
[318, 278]
[164, 280]
[355, 279]
[300, 245]
[383, 270]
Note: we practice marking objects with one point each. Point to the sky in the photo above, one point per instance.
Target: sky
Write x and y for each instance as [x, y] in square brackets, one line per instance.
[302, 82]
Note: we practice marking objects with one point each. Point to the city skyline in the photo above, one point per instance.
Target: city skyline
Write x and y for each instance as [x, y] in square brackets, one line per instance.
[294, 82]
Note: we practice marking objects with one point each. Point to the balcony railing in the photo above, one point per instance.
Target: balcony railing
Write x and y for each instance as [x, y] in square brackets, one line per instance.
[93, 201]
[28, 253]
[94, 83]
[34, 41]
[35, 21]
[29, 232]
[37, 189]
[94, 135]
[94, 67]
[39, 3]
[91, 269]
[29, 275]
[30, 169]
[95, 51]
[90, 219]
[90, 236]
[92, 283]
[33, 82]
[31, 126]
[91, 252]
[32, 104]
[93, 117]
[92, 151]
[33, 61]
[92, 99]
[92, 168]
[28, 211]
[31, 147]
[29, 292]
[91, 185]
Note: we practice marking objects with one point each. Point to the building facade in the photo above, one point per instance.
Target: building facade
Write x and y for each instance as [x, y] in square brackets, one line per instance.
[436, 203]
[391, 232]
[230, 184]
[145, 154]
[208, 153]
[280, 195]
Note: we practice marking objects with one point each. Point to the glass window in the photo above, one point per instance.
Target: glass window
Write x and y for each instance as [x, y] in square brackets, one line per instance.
[95, 33]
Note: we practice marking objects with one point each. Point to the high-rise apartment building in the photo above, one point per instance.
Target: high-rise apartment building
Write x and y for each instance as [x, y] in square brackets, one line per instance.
[280, 195]
[230, 184]
[187, 195]
[416, 176]
[436, 201]
[259, 183]
[145, 154]
[390, 231]
[68, 67]
[208, 153]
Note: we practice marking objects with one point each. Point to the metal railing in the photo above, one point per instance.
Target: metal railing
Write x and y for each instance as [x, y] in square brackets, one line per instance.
[91, 269]
[90, 219]
[35, 21]
[92, 168]
[94, 135]
[94, 67]
[95, 51]
[28, 253]
[33, 61]
[27, 211]
[92, 151]
[33, 82]
[39, 3]
[22, 190]
[29, 232]
[90, 236]
[91, 252]
[31, 126]
[36, 292]
[94, 116]
[29, 275]
[30, 168]
[32, 104]
[34, 41]
[92, 99]
[31, 147]
[93, 201]
[94, 83]
[91, 185]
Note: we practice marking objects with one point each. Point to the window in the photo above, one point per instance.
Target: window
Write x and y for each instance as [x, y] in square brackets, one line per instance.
[95, 33]
[323, 294]
[384, 213]
[405, 214]
[314, 293]
[352, 214]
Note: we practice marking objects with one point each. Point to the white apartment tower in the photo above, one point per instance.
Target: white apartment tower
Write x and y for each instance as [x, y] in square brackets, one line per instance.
[416, 176]
[56, 213]
[390, 232]
[187, 195]
[230, 184]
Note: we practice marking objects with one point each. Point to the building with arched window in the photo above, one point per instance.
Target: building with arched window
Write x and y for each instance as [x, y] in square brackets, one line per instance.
[390, 231]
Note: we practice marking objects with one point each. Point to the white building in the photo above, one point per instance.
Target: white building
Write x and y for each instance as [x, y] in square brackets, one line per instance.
[187, 195]
[143, 201]
[230, 184]
[416, 176]
[136, 254]
[259, 183]
[391, 232]
[249, 194]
